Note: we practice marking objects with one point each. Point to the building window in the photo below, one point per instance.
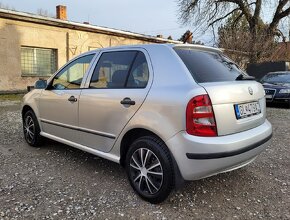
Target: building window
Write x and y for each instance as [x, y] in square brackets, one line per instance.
[38, 61]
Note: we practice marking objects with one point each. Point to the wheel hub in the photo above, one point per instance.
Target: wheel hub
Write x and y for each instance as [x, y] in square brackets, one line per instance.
[144, 171]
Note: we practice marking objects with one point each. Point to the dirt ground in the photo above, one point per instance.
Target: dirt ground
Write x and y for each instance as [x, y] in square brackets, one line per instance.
[60, 182]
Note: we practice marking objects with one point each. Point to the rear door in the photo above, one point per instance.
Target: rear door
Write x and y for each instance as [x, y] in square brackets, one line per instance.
[238, 104]
[58, 104]
[115, 91]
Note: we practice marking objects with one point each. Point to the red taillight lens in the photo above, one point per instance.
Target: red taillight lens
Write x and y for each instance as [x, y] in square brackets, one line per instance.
[200, 119]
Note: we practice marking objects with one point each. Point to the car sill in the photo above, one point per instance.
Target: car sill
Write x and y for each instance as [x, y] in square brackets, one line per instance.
[108, 156]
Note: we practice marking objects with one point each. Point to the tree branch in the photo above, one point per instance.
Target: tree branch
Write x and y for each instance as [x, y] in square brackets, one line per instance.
[223, 17]
[231, 12]
[257, 12]
[215, 12]
[280, 6]
[245, 9]
[277, 17]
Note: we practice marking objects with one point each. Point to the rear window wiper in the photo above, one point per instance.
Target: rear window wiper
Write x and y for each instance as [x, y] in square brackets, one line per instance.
[245, 77]
[230, 63]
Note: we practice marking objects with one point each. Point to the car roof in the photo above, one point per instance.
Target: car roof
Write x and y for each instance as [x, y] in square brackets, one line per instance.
[148, 46]
[281, 72]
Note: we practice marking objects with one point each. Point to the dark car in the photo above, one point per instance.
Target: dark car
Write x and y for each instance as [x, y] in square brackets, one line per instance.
[277, 87]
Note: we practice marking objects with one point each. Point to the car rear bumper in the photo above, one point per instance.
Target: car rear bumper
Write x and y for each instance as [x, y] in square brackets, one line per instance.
[199, 157]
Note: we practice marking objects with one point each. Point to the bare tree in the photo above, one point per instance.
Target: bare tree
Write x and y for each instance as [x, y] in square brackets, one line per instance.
[235, 38]
[44, 12]
[6, 6]
[210, 13]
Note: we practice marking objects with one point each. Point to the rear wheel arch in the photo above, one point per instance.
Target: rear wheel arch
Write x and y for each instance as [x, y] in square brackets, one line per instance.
[129, 138]
[136, 133]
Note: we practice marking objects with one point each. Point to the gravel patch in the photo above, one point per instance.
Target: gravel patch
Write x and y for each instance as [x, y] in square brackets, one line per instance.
[60, 182]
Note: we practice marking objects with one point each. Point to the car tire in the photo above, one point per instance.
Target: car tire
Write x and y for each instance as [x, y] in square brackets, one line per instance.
[149, 169]
[31, 129]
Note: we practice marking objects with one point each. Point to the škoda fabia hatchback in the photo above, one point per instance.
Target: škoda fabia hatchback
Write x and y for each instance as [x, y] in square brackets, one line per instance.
[167, 113]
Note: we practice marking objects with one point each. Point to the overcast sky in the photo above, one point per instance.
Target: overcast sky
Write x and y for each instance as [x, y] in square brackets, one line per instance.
[149, 17]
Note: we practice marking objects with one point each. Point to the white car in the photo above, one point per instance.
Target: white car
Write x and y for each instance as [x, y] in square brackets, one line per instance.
[167, 113]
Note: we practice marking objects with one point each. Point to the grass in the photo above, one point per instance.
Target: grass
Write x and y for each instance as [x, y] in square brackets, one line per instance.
[11, 97]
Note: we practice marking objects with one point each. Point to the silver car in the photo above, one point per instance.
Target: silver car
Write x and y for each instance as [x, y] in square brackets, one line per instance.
[166, 113]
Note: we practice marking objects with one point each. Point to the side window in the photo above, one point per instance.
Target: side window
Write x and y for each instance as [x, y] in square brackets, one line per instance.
[112, 69]
[72, 75]
[139, 74]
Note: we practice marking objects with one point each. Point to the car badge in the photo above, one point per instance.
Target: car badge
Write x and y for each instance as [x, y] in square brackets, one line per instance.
[250, 91]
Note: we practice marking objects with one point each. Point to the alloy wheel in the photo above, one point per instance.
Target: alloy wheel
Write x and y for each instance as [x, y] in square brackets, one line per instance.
[146, 171]
[29, 129]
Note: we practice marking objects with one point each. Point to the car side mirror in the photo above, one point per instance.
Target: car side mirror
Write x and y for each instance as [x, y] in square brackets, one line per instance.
[40, 84]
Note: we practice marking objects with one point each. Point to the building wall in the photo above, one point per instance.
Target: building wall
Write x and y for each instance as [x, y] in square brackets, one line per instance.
[68, 42]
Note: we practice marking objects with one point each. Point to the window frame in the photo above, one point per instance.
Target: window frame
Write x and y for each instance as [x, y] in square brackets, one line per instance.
[135, 49]
[51, 79]
[131, 72]
[44, 48]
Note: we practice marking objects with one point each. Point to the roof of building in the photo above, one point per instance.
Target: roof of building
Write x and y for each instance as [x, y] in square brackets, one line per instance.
[33, 18]
[282, 52]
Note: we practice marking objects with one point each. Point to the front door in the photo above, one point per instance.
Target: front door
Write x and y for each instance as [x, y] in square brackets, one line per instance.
[58, 104]
[118, 86]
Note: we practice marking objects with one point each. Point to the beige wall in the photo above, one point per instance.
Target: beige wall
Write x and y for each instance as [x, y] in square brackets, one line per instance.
[14, 34]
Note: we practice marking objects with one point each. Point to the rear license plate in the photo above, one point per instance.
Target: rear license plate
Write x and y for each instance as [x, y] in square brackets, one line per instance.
[247, 109]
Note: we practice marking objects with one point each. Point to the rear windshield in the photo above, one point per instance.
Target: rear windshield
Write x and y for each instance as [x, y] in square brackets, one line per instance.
[208, 66]
[279, 77]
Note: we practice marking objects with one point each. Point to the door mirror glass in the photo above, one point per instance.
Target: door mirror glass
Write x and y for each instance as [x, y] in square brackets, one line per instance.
[40, 84]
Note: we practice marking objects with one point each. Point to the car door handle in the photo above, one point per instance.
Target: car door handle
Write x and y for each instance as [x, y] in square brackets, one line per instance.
[127, 101]
[72, 99]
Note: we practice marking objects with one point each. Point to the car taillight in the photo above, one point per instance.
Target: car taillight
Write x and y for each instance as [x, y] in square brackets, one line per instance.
[200, 119]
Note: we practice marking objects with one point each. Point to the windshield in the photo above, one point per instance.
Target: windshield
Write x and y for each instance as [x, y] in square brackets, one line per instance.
[276, 78]
[209, 66]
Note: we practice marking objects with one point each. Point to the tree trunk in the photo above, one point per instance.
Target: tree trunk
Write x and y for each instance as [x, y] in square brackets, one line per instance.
[253, 52]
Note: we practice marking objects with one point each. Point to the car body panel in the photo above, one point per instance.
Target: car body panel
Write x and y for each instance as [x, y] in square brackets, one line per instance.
[192, 169]
[109, 116]
[109, 156]
[225, 95]
[101, 111]
[31, 100]
[58, 115]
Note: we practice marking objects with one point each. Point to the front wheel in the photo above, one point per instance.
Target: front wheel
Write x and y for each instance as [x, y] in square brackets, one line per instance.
[149, 169]
[31, 129]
